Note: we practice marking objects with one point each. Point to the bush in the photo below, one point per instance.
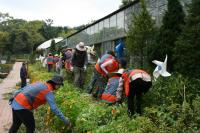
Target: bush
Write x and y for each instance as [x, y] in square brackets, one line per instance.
[166, 109]
[5, 68]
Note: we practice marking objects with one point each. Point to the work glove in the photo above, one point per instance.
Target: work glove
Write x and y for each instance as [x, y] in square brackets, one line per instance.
[71, 69]
[84, 68]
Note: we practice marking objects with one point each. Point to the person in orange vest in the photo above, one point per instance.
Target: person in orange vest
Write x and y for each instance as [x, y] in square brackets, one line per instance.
[31, 97]
[107, 64]
[109, 94]
[135, 83]
[50, 62]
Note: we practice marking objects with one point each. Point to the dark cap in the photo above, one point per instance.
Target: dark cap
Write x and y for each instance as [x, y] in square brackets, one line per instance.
[58, 80]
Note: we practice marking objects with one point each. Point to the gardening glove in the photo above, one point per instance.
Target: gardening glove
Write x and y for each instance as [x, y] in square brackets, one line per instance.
[71, 69]
[84, 68]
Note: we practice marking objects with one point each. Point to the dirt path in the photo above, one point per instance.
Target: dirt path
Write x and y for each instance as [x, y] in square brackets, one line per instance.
[8, 85]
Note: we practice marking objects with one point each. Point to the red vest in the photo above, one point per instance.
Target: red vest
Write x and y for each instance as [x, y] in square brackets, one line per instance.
[131, 76]
[33, 95]
[50, 60]
[110, 68]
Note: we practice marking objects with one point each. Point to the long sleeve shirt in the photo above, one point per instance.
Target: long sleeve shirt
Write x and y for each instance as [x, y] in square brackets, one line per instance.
[23, 72]
[51, 101]
[79, 58]
[120, 89]
[103, 66]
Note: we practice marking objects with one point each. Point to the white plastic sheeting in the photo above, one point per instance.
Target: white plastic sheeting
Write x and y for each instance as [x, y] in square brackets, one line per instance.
[47, 44]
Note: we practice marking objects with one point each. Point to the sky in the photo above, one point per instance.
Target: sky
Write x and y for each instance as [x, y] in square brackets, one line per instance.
[63, 12]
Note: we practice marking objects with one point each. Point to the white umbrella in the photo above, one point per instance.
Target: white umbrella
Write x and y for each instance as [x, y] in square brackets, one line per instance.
[47, 44]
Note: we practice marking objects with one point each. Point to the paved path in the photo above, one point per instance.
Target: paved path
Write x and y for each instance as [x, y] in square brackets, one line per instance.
[8, 85]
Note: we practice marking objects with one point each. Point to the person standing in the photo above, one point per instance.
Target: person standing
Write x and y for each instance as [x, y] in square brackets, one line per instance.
[135, 83]
[50, 62]
[31, 97]
[79, 64]
[68, 59]
[23, 74]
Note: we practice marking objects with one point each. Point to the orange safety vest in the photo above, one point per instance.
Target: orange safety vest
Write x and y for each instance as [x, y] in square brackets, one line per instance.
[131, 76]
[110, 68]
[33, 95]
[109, 95]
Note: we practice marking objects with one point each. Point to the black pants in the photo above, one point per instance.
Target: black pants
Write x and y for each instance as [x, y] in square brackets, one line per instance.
[50, 66]
[23, 82]
[136, 88]
[22, 116]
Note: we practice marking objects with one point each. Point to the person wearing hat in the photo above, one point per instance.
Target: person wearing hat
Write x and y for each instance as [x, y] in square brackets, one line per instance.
[79, 63]
[109, 94]
[135, 83]
[68, 59]
[31, 97]
[23, 74]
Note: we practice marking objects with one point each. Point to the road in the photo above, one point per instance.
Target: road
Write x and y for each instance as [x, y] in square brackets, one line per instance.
[8, 85]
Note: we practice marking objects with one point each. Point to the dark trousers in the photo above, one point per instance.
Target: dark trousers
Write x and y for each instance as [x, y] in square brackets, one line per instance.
[50, 66]
[79, 77]
[22, 116]
[136, 88]
[23, 82]
[97, 84]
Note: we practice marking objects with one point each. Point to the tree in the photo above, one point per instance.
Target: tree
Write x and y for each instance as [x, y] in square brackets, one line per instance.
[53, 47]
[187, 49]
[5, 17]
[125, 2]
[173, 21]
[48, 31]
[3, 41]
[141, 34]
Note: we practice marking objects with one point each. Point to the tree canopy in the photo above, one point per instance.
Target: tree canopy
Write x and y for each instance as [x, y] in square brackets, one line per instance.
[19, 36]
[141, 34]
[187, 48]
[169, 31]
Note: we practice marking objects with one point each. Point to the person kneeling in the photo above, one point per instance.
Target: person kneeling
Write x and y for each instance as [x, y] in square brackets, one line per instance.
[109, 94]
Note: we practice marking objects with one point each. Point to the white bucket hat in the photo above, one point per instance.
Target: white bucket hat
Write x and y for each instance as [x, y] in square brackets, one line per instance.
[81, 46]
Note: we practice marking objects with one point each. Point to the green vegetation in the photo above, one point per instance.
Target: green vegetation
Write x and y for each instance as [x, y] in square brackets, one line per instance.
[5, 68]
[187, 47]
[18, 36]
[141, 35]
[172, 105]
[169, 31]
